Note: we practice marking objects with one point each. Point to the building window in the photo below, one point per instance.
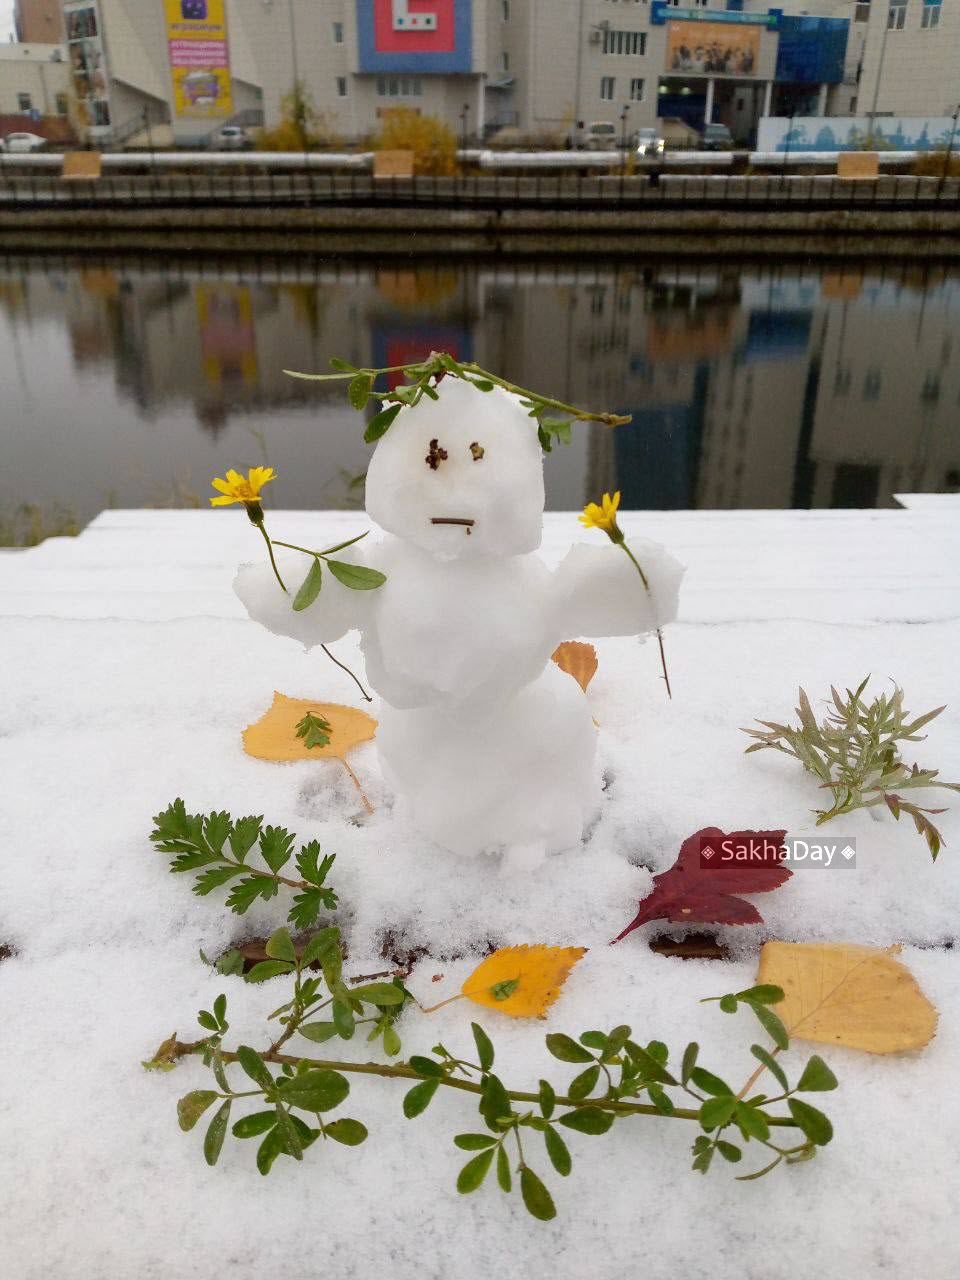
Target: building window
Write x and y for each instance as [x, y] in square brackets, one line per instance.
[399, 86]
[341, 86]
[897, 15]
[636, 90]
[505, 10]
[504, 61]
[608, 86]
[930, 15]
[862, 13]
[632, 43]
[24, 102]
[338, 33]
[62, 103]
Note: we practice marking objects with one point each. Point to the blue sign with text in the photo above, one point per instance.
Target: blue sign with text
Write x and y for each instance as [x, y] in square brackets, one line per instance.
[662, 12]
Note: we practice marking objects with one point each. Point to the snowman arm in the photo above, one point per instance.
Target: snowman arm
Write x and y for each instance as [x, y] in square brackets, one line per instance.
[600, 592]
[336, 610]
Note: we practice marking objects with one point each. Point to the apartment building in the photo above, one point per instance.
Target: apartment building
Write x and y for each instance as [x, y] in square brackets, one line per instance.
[911, 65]
[546, 68]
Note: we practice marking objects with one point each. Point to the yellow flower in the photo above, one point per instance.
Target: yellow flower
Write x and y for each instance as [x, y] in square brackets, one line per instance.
[604, 516]
[237, 489]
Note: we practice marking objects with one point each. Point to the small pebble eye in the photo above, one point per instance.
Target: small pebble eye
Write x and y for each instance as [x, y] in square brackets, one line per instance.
[477, 450]
[436, 455]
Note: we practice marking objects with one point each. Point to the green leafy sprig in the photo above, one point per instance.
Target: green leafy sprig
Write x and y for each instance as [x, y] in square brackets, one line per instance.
[617, 1078]
[855, 753]
[314, 730]
[220, 849]
[421, 378]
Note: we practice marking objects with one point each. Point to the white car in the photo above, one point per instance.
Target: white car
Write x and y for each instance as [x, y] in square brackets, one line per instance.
[23, 142]
[231, 137]
[600, 135]
[649, 142]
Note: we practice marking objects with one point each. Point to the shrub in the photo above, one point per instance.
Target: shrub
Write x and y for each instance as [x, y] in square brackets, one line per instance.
[433, 143]
[301, 125]
[934, 165]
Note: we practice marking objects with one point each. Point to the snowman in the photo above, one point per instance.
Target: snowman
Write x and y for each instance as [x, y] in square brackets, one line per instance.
[488, 745]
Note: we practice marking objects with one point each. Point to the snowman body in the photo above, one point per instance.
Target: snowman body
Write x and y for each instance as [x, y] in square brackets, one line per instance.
[488, 745]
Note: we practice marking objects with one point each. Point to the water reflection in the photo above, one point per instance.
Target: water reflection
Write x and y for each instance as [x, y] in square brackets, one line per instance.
[131, 383]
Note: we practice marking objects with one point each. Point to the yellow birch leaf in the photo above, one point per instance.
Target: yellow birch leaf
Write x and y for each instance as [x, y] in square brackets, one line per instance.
[578, 660]
[842, 993]
[521, 981]
[274, 735]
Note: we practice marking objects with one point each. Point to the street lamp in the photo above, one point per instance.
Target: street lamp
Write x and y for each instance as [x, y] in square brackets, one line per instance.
[876, 86]
[786, 149]
[463, 126]
[623, 127]
[953, 131]
[955, 114]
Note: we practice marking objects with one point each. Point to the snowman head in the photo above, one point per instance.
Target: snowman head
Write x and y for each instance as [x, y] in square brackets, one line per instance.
[461, 475]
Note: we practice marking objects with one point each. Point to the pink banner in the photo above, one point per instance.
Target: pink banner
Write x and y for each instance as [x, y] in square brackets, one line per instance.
[198, 53]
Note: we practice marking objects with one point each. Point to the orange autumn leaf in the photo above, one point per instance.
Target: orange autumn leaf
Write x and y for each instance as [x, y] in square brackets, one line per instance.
[274, 735]
[578, 660]
[844, 993]
[521, 981]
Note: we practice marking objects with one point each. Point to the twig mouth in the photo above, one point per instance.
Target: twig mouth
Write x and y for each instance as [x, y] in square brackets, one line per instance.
[452, 520]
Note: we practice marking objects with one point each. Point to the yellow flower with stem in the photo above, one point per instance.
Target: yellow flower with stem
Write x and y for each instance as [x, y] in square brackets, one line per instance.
[603, 515]
[247, 489]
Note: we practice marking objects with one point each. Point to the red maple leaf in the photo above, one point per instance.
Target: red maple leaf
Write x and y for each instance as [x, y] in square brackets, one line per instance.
[694, 892]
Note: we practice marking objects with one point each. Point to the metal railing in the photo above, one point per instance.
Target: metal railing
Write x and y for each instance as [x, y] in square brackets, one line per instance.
[543, 191]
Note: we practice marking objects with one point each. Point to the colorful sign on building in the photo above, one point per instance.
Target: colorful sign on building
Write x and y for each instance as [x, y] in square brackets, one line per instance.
[422, 36]
[87, 62]
[199, 58]
[857, 133]
[661, 12]
[712, 49]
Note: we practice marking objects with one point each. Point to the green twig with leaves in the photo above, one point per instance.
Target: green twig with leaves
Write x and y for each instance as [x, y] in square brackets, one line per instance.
[614, 1071]
[616, 1077]
[221, 850]
[855, 753]
[421, 377]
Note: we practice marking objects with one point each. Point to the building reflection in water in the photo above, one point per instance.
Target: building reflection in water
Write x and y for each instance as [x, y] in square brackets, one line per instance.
[132, 383]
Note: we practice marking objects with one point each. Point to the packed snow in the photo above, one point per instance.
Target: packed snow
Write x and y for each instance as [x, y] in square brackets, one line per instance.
[129, 672]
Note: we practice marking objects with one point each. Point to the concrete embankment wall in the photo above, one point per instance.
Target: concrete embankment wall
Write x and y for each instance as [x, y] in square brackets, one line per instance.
[891, 217]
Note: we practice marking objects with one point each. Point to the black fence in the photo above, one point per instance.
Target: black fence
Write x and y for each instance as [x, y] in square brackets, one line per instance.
[650, 190]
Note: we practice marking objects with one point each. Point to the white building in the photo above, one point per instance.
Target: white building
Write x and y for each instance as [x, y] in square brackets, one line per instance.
[911, 65]
[539, 66]
[34, 80]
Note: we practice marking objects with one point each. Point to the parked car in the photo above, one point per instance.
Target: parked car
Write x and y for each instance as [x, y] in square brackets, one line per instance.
[649, 142]
[22, 142]
[716, 137]
[600, 136]
[231, 137]
[677, 134]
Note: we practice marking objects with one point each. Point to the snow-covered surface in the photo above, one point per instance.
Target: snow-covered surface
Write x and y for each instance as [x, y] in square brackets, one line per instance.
[128, 672]
[930, 501]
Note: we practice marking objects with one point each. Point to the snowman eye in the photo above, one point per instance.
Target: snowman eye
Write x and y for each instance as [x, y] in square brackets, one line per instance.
[436, 455]
[477, 450]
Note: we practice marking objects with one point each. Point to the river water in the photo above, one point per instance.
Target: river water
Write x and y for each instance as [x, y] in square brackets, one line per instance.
[132, 382]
